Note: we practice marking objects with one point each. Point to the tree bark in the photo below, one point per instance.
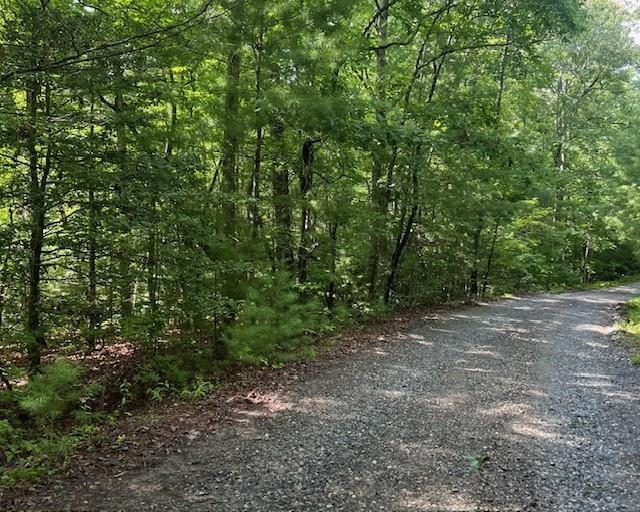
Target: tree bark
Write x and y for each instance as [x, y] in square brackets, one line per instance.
[330, 294]
[492, 251]
[92, 291]
[306, 183]
[37, 213]
[231, 141]
[283, 237]
[93, 318]
[475, 270]
[378, 193]
[254, 191]
[125, 286]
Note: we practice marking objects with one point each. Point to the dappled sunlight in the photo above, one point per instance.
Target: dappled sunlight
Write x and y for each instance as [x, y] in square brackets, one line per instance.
[597, 301]
[532, 427]
[391, 393]
[247, 414]
[447, 401]
[545, 300]
[594, 384]
[378, 352]
[458, 394]
[506, 409]
[485, 353]
[594, 344]
[495, 413]
[448, 331]
[316, 405]
[585, 375]
[475, 370]
[445, 501]
[600, 329]
[620, 396]
[536, 393]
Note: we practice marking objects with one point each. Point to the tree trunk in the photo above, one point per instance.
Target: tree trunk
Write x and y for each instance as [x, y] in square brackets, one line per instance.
[378, 193]
[306, 182]
[404, 234]
[401, 244]
[93, 319]
[560, 151]
[330, 294]
[231, 141]
[492, 250]
[283, 237]
[125, 286]
[475, 270]
[254, 191]
[37, 214]
[585, 261]
[92, 291]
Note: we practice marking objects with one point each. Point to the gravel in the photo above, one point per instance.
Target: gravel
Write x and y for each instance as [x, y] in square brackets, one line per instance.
[523, 404]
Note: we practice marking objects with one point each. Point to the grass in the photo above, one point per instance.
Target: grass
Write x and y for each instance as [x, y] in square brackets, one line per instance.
[632, 325]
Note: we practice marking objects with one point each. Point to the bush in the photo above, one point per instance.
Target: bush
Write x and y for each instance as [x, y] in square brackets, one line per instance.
[56, 391]
[274, 325]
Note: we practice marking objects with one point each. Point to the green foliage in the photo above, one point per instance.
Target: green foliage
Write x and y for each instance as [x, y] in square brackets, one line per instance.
[274, 324]
[477, 462]
[28, 459]
[632, 326]
[295, 170]
[54, 392]
[199, 389]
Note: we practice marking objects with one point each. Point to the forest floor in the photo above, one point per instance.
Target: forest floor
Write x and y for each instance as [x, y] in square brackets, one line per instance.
[522, 404]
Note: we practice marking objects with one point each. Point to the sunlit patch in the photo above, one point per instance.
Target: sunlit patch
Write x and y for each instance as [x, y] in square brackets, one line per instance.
[507, 409]
[252, 413]
[142, 489]
[587, 375]
[597, 301]
[621, 396]
[313, 405]
[448, 331]
[594, 380]
[391, 393]
[450, 400]
[594, 344]
[475, 370]
[535, 429]
[600, 329]
[446, 500]
[488, 353]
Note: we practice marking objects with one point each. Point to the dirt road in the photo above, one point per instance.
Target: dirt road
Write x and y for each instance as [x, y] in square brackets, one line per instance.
[524, 404]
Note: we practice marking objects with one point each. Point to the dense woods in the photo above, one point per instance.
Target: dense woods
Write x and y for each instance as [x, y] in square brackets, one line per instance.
[223, 180]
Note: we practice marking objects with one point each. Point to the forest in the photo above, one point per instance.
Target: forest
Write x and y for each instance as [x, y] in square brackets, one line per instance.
[200, 184]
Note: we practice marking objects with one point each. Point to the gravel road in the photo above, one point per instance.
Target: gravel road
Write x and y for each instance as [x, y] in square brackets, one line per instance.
[523, 404]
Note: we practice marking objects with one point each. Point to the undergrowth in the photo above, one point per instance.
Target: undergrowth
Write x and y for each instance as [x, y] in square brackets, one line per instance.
[631, 325]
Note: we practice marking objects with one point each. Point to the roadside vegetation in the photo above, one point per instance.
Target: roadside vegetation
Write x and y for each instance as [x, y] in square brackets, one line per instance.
[631, 325]
[187, 189]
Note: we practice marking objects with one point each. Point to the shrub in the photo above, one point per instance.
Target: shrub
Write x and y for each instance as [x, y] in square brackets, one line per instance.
[274, 324]
[57, 391]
